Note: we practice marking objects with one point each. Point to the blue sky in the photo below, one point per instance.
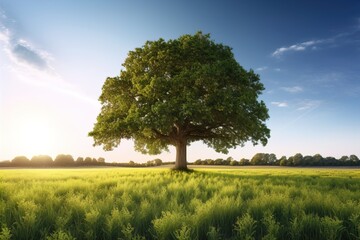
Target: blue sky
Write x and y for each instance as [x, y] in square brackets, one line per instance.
[55, 56]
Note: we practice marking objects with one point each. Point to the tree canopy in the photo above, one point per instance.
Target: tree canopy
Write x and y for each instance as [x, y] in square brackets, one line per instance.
[179, 91]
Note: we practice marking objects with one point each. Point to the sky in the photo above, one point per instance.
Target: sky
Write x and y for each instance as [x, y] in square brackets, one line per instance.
[56, 55]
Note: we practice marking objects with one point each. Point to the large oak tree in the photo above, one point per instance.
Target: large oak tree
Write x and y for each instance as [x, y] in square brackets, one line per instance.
[179, 91]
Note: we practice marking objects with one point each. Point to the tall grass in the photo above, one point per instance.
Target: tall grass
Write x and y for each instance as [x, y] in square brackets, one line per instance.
[161, 204]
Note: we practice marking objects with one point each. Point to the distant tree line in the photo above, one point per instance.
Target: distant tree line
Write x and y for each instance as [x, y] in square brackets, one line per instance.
[61, 160]
[150, 163]
[266, 159]
[259, 159]
[66, 160]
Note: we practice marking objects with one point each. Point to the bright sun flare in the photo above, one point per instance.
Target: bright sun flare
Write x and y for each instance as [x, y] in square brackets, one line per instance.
[33, 136]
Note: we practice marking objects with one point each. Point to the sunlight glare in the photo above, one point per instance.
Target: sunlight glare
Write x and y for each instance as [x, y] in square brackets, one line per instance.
[33, 136]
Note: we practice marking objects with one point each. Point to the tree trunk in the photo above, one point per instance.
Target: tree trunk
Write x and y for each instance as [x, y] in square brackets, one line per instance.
[180, 162]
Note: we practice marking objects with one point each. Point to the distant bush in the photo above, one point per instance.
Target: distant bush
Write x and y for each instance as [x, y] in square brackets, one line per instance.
[101, 160]
[20, 161]
[64, 160]
[41, 161]
[6, 163]
[79, 161]
[88, 161]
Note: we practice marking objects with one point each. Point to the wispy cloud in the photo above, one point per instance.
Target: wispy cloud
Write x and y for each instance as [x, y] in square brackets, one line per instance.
[34, 65]
[21, 52]
[339, 39]
[280, 104]
[266, 68]
[294, 89]
[297, 47]
[4, 35]
[24, 53]
[260, 69]
[308, 104]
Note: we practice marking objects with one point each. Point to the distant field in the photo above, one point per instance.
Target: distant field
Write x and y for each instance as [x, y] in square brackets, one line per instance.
[156, 203]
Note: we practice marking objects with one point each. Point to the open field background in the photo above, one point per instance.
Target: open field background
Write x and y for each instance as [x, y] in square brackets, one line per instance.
[156, 203]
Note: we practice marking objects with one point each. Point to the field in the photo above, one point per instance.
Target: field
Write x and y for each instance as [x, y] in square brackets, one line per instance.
[156, 203]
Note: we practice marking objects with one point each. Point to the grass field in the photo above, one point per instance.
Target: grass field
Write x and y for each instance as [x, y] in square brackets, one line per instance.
[156, 203]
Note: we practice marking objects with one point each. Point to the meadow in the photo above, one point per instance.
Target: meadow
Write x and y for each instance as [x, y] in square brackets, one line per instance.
[156, 203]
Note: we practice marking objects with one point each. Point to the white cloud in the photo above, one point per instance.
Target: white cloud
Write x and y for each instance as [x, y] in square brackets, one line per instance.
[338, 40]
[308, 105]
[296, 47]
[294, 89]
[22, 52]
[261, 68]
[34, 65]
[280, 104]
[4, 36]
[264, 68]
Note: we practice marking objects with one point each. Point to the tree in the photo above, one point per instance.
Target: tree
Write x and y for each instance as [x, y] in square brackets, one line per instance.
[158, 162]
[244, 162]
[283, 161]
[209, 162]
[290, 161]
[41, 161]
[344, 159]
[228, 161]
[20, 161]
[354, 159]
[331, 161]
[101, 160]
[218, 161]
[64, 160]
[272, 159]
[198, 162]
[258, 159]
[297, 159]
[307, 161]
[234, 163]
[179, 91]
[79, 161]
[318, 159]
[88, 161]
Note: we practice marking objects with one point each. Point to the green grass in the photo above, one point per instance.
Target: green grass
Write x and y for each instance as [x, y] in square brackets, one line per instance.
[155, 203]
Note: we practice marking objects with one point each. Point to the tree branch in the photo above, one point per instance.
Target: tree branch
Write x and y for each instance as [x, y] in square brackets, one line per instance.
[160, 135]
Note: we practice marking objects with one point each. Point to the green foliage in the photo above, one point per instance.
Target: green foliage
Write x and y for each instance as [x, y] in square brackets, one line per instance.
[113, 203]
[5, 233]
[355, 225]
[272, 227]
[213, 233]
[184, 233]
[331, 228]
[60, 235]
[245, 227]
[169, 223]
[180, 91]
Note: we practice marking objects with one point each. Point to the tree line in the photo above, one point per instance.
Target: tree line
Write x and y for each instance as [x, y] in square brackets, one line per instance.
[66, 160]
[266, 159]
[259, 159]
[61, 160]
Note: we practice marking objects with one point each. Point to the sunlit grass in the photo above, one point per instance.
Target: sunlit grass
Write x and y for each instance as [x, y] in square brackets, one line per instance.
[153, 203]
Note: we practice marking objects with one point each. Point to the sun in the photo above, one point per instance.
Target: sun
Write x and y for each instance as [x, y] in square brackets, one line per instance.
[33, 135]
